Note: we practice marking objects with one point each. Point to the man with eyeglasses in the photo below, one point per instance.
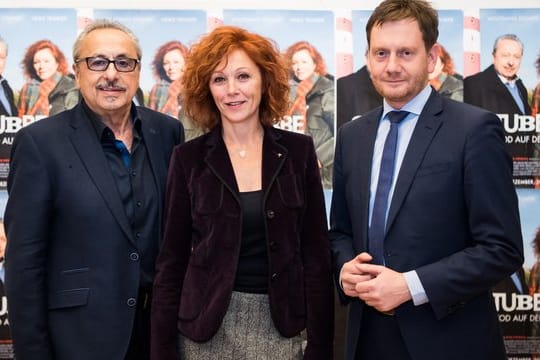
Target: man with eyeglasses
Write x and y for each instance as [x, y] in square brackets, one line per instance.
[84, 212]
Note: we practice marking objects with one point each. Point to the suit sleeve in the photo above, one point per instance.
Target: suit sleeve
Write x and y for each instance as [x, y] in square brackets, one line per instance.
[495, 248]
[27, 218]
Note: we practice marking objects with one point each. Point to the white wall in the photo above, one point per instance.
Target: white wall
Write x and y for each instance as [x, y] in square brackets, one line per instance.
[259, 4]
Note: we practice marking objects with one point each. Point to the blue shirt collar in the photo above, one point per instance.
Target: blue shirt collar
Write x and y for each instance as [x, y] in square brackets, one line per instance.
[414, 106]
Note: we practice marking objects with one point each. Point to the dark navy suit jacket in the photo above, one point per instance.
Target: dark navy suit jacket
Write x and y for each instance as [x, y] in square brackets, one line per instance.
[453, 218]
[70, 269]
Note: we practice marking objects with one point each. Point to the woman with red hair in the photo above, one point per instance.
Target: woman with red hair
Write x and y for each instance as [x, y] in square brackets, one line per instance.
[168, 68]
[244, 267]
[312, 102]
[50, 88]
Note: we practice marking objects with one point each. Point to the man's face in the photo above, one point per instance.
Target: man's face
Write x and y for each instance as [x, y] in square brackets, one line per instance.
[109, 92]
[398, 61]
[507, 58]
[3, 56]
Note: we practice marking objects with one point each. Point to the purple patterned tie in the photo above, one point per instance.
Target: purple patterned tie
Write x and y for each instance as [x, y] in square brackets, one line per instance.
[377, 228]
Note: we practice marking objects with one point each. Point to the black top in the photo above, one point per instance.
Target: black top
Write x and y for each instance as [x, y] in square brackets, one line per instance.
[134, 180]
[252, 272]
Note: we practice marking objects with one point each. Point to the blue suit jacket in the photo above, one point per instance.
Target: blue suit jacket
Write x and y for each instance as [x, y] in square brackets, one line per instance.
[453, 218]
[69, 273]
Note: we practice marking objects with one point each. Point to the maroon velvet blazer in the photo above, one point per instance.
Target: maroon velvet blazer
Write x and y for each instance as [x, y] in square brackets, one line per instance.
[198, 259]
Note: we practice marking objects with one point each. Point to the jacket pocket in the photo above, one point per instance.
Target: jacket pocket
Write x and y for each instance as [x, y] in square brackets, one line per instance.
[69, 298]
[193, 292]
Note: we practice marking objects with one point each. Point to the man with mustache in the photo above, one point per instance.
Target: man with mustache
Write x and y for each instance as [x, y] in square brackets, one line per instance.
[84, 212]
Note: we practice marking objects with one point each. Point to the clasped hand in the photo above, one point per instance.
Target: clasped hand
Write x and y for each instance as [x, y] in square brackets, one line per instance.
[378, 286]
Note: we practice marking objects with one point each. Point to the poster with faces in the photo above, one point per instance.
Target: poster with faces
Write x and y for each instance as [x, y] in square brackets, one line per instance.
[514, 63]
[39, 45]
[515, 59]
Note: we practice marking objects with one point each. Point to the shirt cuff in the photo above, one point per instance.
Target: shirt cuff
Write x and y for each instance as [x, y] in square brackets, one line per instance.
[416, 289]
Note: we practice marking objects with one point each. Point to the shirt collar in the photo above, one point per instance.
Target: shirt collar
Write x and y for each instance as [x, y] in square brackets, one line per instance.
[103, 132]
[414, 106]
[506, 81]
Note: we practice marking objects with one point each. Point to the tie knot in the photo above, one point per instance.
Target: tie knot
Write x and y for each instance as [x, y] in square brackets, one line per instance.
[396, 116]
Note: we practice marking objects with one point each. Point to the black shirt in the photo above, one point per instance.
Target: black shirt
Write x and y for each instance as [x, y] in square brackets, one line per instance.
[136, 187]
[252, 272]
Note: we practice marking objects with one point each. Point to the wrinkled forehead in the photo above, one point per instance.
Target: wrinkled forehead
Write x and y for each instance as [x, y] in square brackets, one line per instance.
[109, 43]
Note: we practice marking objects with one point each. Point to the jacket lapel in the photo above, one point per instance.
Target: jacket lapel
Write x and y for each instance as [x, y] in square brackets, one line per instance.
[87, 146]
[363, 154]
[426, 128]
[273, 157]
[153, 144]
[218, 161]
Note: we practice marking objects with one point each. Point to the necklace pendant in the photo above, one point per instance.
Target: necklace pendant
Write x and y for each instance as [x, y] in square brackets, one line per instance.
[242, 153]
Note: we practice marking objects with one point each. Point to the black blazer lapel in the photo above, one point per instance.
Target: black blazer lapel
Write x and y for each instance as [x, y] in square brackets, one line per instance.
[426, 128]
[89, 149]
[218, 161]
[273, 158]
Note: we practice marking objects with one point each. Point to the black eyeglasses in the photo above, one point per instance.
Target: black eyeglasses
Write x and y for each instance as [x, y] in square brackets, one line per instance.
[99, 63]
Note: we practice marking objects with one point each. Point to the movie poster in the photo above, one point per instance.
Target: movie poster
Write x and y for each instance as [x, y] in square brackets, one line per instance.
[510, 95]
[38, 69]
[517, 299]
[38, 65]
[306, 41]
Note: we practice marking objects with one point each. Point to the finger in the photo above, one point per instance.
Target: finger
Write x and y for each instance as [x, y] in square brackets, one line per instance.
[371, 269]
[363, 257]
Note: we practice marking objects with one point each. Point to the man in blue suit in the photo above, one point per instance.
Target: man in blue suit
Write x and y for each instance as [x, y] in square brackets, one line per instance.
[419, 243]
[84, 212]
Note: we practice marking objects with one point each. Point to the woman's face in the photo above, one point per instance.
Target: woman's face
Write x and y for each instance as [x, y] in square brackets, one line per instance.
[303, 65]
[173, 64]
[236, 86]
[45, 64]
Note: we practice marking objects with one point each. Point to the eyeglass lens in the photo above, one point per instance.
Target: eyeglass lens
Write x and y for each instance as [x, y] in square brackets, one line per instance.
[120, 64]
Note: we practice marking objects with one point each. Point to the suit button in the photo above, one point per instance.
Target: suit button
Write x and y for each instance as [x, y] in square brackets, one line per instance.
[131, 302]
[138, 235]
[270, 214]
[134, 256]
[272, 245]
[273, 277]
[139, 203]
